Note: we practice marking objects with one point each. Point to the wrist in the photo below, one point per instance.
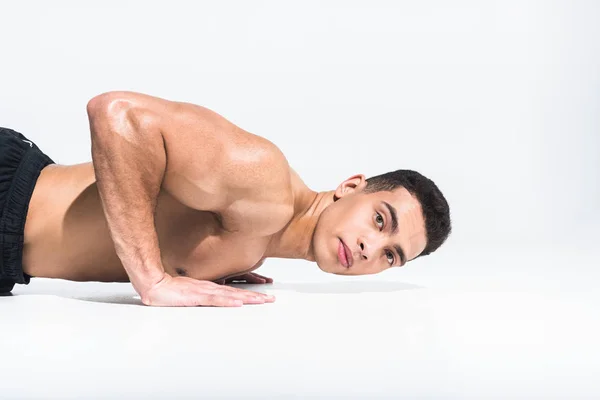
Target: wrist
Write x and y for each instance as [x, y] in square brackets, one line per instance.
[143, 284]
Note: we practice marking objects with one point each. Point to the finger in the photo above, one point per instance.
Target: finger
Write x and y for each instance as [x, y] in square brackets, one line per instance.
[250, 292]
[219, 301]
[238, 290]
[267, 279]
[254, 278]
[245, 295]
[253, 296]
[247, 299]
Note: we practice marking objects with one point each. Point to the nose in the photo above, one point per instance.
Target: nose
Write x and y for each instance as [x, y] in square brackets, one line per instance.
[370, 246]
[363, 252]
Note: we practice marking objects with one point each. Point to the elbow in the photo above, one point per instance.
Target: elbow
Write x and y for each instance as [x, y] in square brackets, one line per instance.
[118, 108]
[107, 104]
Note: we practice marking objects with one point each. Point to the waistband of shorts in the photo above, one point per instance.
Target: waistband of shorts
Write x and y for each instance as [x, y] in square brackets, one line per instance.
[12, 224]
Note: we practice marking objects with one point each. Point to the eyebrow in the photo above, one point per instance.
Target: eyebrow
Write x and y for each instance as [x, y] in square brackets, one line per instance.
[394, 231]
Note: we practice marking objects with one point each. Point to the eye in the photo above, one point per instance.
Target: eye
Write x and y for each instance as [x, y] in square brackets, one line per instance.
[389, 254]
[379, 219]
[392, 257]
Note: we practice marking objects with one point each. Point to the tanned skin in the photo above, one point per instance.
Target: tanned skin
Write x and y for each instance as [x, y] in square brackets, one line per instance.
[178, 200]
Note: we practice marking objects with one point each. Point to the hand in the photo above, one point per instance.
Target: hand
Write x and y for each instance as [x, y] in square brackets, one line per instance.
[248, 277]
[184, 291]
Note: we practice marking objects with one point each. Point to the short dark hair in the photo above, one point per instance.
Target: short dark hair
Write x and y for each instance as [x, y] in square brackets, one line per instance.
[436, 211]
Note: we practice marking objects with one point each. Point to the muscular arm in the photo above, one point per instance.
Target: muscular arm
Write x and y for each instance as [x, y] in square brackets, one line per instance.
[140, 143]
[129, 160]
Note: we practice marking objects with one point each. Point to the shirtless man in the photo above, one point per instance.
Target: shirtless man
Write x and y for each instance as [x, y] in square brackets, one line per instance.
[177, 200]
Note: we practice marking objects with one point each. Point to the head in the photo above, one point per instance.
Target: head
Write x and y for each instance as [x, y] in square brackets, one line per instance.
[385, 221]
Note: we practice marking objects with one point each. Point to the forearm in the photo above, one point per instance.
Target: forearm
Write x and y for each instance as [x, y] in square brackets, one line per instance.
[129, 162]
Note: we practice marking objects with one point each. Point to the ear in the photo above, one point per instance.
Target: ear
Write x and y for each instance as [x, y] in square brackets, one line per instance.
[355, 183]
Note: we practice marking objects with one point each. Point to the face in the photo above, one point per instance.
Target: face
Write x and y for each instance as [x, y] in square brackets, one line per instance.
[363, 224]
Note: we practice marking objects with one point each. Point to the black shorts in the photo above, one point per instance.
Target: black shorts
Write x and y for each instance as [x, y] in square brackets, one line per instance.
[21, 162]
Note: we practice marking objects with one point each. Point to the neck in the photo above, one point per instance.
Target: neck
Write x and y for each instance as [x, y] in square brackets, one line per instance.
[294, 240]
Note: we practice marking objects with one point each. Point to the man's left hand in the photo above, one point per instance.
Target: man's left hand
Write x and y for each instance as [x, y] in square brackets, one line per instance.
[249, 277]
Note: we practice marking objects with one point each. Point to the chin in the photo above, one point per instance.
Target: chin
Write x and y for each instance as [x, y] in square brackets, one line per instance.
[324, 266]
[326, 256]
[330, 268]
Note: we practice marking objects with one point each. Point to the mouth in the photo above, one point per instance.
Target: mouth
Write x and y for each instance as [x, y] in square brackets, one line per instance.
[344, 255]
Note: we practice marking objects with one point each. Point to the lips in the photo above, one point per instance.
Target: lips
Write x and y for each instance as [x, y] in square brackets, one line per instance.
[345, 255]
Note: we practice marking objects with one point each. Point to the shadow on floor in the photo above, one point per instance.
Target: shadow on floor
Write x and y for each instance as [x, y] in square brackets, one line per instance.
[336, 287]
[126, 299]
[130, 298]
[113, 299]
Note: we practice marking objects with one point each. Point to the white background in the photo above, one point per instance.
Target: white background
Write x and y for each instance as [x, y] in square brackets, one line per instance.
[497, 102]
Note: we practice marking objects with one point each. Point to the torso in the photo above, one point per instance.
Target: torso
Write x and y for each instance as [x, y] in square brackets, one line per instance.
[66, 234]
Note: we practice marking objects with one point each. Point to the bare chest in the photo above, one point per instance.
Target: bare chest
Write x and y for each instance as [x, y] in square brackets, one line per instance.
[66, 213]
[194, 243]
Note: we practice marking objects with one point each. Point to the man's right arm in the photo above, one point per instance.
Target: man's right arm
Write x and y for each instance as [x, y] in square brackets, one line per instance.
[129, 163]
[130, 160]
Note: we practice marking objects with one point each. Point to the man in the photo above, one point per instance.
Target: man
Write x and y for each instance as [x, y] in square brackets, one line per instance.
[177, 199]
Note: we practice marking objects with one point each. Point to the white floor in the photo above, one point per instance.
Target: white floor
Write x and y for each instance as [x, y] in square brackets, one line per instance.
[478, 325]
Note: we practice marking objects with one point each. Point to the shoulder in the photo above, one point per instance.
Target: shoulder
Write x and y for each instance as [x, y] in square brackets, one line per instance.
[261, 189]
[213, 164]
[259, 166]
